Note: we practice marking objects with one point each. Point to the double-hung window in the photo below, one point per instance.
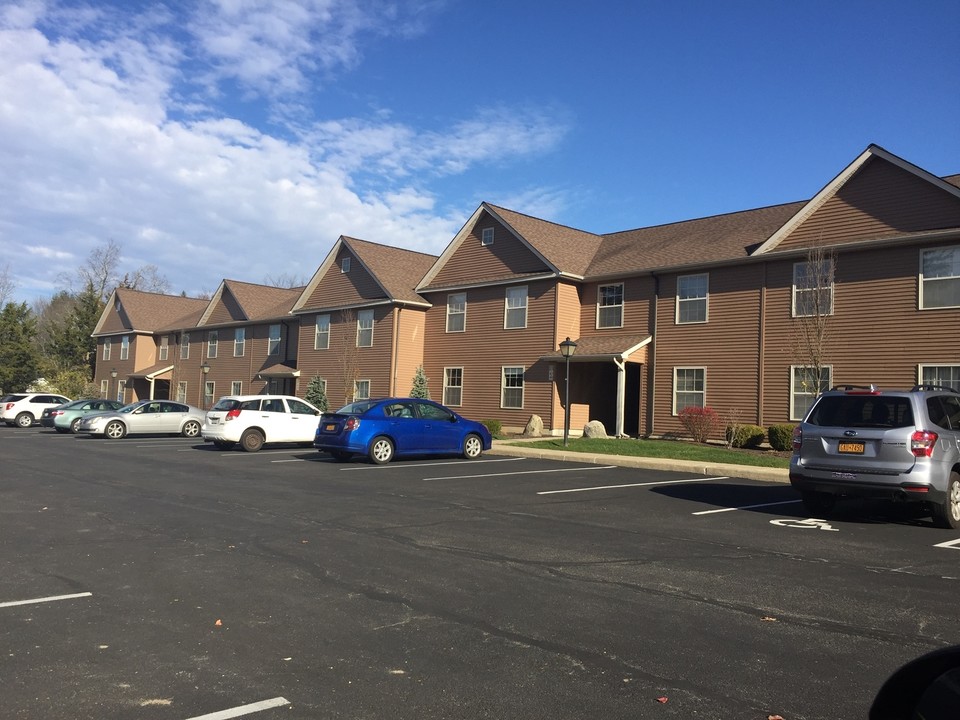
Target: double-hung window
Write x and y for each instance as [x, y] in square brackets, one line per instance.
[689, 388]
[511, 388]
[213, 339]
[610, 306]
[273, 343]
[164, 347]
[125, 347]
[940, 278]
[361, 390]
[365, 329]
[185, 347]
[236, 387]
[321, 333]
[104, 388]
[182, 391]
[515, 308]
[456, 312]
[813, 288]
[692, 298]
[942, 375]
[209, 390]
[453, 386]
[106, 348]
[805, 386]
[239, 341]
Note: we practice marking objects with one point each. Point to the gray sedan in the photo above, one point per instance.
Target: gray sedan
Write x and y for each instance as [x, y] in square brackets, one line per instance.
[145, 417]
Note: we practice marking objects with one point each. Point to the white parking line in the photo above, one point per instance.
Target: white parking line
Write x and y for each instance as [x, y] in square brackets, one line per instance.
[243, 709]
[471, 463]
[747, 507]
[523, 472]
[630, 485]
[53, 598]
[952, 544]
[231, 454]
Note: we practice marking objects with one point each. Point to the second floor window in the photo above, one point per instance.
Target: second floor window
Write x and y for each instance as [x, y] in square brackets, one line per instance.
[106, 348]
[457, 312]
[940, 278]
[610, 306]
[365, 328]
[239, 341]
[273, 343]
[515, 310]
[692, 299]
[212, 340]
[321, 335]
[125, 347]
[185, 346]
[813, 288]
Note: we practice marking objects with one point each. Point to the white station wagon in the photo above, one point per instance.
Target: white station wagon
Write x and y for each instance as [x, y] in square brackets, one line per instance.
[253, 420]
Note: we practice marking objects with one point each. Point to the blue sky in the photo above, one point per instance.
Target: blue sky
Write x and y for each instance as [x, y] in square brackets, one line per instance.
[234, 138]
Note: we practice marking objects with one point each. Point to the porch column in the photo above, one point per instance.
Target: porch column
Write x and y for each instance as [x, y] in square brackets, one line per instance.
[621, 393]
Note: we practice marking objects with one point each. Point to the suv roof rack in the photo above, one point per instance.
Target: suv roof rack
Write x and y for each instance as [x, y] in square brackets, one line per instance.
[869, 388]
[935, 388]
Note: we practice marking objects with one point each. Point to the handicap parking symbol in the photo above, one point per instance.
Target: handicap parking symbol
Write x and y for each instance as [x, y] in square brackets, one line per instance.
[808, 524]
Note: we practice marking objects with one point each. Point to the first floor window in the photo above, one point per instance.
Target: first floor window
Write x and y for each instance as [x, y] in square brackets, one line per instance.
[182, 391]
[365, 329]
[515, 310]
[610, 306]
[942, 375]
[236, 387]
[321, 335]
[689, 388]
[453, 386]
[511, 388]
[692, 299]
[239, 341]
[805, 385]
[121, 389]
[208, 392]
[164, 347]
[361, 390]
[940, 278]
[273, 344]
[104, 388]
[185, 347]
[213, 338]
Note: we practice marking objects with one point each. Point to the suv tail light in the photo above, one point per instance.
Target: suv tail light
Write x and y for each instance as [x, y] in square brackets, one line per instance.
[232, 415]
[352, 423]
[797, 438]
[10, 405]
[922, 443]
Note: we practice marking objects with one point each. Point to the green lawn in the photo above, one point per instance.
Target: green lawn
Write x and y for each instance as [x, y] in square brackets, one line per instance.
[676, 449]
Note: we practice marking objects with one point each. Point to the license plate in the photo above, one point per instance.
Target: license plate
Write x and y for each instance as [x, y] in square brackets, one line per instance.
[330, 427]
[853, 448]
[214, 421]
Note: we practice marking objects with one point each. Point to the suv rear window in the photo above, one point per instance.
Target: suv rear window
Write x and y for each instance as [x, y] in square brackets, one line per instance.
[862, 411]
[226, 404]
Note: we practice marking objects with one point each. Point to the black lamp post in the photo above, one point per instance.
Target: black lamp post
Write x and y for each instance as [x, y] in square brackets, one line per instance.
[567, 348]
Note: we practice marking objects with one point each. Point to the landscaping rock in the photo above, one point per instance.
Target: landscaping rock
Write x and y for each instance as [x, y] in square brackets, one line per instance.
[534, 427]
[594, 429]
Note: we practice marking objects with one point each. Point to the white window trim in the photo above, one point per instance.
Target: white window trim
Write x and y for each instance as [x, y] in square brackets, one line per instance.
[507, 308]
[213, 341]
[704, 391]
[106, 348]
[239, 342]
[487, 236]
[360, 318]
[345, 264]
[125, 347]
[464, 313]
[356, 387]
[922, 279]
[922, 367]
[182, 391]
[705, 299]
[273, 344]
[503, 386]
[164, 350]
[447, 385]
[599, 306]
[793, 390]
[793, 289]
[236, 387]
[104, 388]
[317, 334]
[212, 386]
[185, 346]
[121, 390]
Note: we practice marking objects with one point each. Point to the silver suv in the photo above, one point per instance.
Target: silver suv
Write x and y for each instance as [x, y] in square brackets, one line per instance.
[893, 444]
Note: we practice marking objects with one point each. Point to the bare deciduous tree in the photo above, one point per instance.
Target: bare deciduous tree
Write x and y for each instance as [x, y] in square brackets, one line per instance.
[813, 307]
[349, 354]
[285, 280]
[7, 285]
[102, 271]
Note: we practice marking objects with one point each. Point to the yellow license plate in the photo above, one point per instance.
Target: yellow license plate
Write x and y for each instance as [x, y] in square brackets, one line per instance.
[854, 448]
[329, 427]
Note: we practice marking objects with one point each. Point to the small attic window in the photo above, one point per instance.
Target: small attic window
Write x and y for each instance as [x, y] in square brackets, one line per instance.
[345, 265]
[487, 237]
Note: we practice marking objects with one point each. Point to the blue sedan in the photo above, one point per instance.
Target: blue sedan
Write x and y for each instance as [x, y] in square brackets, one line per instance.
[398, 427]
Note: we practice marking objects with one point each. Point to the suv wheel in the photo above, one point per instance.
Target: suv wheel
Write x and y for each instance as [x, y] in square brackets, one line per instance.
[24, 420]
[818, 503]
[947, 514]
[251, 440]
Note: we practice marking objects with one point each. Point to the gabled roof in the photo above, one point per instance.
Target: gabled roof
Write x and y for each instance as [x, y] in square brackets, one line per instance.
[603, 347]
[253, 302]
[145, 312]
[395, 271]
[835, 185]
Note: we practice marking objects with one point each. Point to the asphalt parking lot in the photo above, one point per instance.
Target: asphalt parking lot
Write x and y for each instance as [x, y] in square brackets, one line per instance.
[161, 578]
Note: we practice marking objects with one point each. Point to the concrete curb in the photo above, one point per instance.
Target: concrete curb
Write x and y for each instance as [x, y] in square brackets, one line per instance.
[749, 472]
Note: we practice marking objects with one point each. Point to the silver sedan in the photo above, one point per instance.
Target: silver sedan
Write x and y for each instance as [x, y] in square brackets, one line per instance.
[145, 417]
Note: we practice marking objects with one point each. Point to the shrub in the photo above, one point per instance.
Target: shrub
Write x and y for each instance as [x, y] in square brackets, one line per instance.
[316, 393]
[494, 426]
[700, 422]
[744, 436]
[420, 388]
[781, 436]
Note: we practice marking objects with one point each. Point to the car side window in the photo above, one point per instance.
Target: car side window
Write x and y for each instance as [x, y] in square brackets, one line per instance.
[937, 413]
[250, 404]
[429, 411]
[951, 406]
[274, 406]
[299, 407]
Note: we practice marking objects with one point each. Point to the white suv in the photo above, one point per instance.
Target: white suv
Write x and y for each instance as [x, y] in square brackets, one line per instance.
[25, 409]
[253, 420]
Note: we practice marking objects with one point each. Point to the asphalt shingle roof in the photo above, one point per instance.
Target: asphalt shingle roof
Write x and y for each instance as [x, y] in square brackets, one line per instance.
[399, 271]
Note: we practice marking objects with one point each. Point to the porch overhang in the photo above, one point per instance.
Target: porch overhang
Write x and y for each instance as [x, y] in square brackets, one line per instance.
[152, 372]
[278, 371]
[604, 348]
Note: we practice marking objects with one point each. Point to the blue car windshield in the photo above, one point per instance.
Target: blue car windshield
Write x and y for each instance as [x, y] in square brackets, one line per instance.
[356, 408]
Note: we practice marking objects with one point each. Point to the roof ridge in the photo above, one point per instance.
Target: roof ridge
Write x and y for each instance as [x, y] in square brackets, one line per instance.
[543, 220]
[704, 217]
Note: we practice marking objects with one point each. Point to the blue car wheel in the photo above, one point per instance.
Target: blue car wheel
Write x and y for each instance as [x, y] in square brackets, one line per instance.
[381, 450]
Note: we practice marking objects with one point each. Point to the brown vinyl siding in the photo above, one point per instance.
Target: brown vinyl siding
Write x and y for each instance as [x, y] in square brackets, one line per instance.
[226, 311]
[637, 301]
[486, 347]
[881, 200]
[339, 289]
[472, 262]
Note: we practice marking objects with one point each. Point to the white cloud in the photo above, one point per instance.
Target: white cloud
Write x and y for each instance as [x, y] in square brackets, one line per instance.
[94, 147]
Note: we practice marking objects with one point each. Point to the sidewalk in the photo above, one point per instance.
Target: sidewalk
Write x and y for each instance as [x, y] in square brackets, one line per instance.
[750, 472]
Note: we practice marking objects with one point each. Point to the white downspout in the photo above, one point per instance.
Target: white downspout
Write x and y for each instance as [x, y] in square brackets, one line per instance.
[621, 393]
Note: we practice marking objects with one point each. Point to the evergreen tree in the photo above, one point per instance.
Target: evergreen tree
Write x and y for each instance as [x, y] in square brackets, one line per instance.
[317, 393]
[19, 360]
[420, 389]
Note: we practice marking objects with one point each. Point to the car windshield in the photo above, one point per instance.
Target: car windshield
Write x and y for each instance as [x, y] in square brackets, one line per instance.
[862, 411]
[130, 408]
[356, 408]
